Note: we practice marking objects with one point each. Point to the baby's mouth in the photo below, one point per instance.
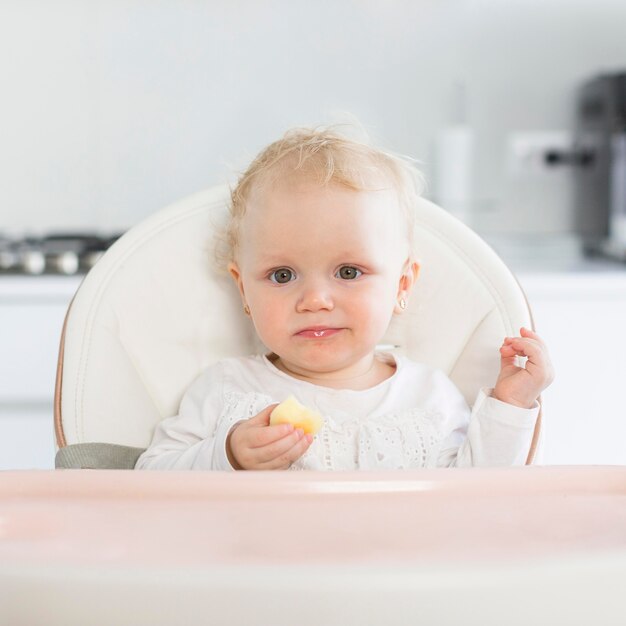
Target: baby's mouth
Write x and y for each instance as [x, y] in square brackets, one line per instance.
[318, 333]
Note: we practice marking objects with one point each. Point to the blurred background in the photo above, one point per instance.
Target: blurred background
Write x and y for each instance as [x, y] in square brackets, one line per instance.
[515, 110]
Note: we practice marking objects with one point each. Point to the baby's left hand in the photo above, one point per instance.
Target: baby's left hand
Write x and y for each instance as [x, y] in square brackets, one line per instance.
[521, 386]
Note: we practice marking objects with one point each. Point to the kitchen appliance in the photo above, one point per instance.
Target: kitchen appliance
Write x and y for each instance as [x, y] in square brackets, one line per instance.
[61, 253]
[600, 178]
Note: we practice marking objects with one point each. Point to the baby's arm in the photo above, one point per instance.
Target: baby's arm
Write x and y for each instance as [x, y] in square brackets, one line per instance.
[195, 437]
[490, 434]
[255, 445]
[521, 386]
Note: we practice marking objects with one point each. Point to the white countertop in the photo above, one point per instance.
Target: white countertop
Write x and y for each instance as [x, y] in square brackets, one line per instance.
[550, 254]
[551, 266]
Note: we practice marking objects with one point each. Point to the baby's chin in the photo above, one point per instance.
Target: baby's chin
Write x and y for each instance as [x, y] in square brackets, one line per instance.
[323, 364]
[318, 366]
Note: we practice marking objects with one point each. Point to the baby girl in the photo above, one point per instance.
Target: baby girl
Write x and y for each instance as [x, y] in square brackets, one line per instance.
[321, 249]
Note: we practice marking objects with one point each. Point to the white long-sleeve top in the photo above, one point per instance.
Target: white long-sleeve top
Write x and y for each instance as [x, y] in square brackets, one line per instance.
[415, 418]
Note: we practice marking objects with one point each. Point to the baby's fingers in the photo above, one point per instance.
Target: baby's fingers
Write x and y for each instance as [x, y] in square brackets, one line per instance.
[531, 334]
[538, 361]
[262, 418]
[522, 347]
[291, 452]
[277, 447]
[258, 431]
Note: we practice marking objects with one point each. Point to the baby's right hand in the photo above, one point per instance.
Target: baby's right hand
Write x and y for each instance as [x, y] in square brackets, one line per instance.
[255, 445]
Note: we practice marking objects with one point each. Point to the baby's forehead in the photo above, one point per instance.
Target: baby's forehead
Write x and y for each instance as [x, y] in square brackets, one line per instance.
[308, 208]
[307, 202]
[324, 220]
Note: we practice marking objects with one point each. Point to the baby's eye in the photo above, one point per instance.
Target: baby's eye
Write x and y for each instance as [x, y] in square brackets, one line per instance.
[281, 276]
[348, 272]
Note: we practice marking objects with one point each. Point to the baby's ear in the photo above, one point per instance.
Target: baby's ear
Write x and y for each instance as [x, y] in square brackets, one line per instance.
[410, 273]
[235, 272]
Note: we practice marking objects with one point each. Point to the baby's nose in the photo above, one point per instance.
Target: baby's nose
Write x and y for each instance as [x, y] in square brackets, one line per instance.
[315, 297]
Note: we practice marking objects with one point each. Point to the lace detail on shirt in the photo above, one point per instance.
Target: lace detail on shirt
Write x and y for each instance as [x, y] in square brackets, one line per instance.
[408, 439]
[243, 406]
[394, 441]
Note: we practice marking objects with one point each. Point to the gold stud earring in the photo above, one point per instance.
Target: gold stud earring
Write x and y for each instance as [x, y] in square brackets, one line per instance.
[246, 309]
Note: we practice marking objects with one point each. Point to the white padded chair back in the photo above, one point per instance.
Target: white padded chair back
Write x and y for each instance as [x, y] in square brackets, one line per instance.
[154, 312]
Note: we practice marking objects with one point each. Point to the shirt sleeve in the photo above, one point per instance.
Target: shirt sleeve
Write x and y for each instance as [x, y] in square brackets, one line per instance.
[492, 434]
[196, 437]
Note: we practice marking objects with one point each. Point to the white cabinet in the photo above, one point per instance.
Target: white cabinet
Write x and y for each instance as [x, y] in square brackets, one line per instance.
[581, 316]
[30, 339]
[32, 310]
[26, 437]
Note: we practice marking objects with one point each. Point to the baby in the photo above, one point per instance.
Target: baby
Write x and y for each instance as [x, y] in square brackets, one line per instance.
[321, 249]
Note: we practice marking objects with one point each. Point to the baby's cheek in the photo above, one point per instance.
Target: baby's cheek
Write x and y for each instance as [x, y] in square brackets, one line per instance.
[379, 315]
[268, 327]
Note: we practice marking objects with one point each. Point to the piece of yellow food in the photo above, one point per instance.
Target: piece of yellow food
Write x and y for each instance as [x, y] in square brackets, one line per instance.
[291, 411]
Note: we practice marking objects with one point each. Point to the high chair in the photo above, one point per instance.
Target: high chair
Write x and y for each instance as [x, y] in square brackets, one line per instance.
[507, 544]
[155, 311]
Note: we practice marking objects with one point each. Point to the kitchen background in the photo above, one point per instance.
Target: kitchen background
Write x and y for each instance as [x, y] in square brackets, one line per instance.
[111, 110]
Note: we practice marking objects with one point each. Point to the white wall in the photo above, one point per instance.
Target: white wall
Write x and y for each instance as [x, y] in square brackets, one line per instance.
[110, 110]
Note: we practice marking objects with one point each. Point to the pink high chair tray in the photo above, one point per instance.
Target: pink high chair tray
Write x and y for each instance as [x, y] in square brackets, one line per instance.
[313, 548]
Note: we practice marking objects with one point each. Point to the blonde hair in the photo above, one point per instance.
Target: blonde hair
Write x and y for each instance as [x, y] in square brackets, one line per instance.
[328, 156]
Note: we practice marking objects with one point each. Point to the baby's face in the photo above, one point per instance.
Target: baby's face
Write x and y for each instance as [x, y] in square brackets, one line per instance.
[320, 269]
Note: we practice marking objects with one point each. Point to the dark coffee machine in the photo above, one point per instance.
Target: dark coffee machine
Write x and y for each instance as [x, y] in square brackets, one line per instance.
[600, 175]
